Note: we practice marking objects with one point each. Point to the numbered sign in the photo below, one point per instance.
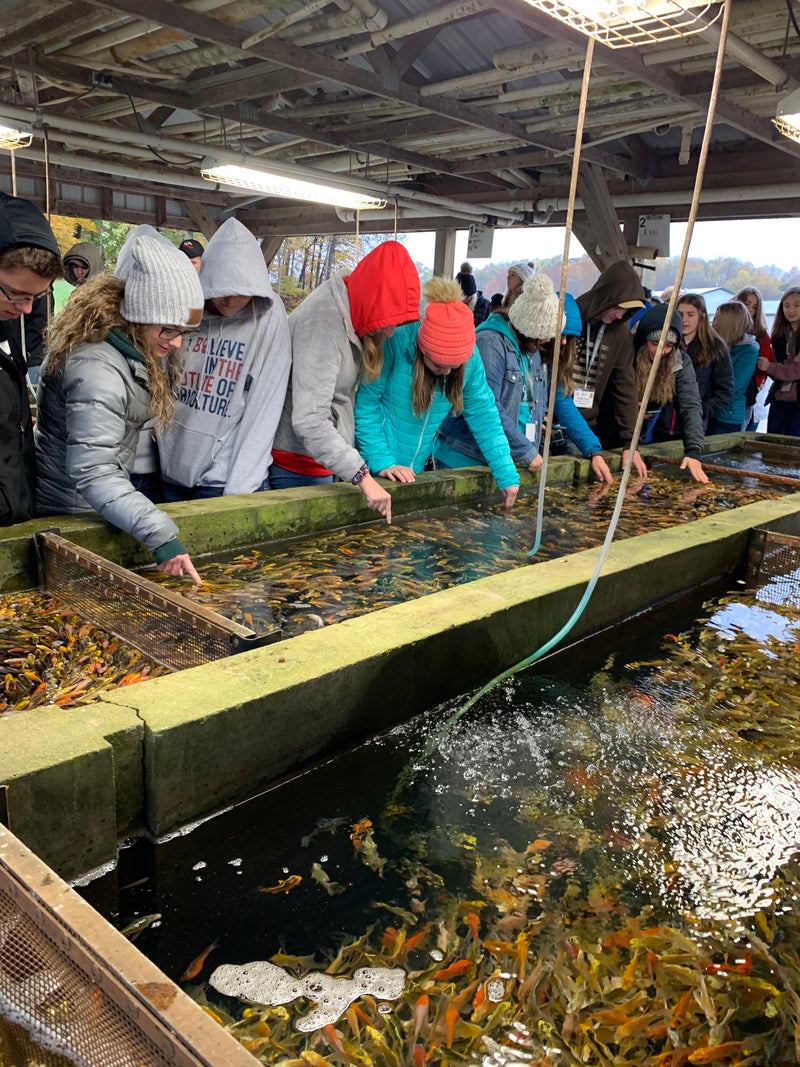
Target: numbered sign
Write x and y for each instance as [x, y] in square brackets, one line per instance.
[479, 243]
[654, 233]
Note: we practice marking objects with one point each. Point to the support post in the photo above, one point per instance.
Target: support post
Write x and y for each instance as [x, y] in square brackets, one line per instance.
[444, 255]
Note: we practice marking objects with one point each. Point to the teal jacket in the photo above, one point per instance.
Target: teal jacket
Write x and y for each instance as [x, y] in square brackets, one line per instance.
[389, 433]
[744, 357]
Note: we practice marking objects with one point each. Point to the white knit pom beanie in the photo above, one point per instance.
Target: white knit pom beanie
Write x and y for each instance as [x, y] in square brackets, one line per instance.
[534, 313]
[161, 283]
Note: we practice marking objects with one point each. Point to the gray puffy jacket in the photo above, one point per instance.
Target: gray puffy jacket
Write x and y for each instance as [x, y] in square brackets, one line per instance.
[88, 419]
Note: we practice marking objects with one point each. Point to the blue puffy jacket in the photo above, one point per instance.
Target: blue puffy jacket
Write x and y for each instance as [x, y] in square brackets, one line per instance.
[505, 376]
[389, 433]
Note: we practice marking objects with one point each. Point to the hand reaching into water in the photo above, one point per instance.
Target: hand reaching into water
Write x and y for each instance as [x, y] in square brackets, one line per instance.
[180, 565]
[378, 499]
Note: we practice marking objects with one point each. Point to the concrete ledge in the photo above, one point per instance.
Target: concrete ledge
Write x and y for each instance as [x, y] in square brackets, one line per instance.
[173, 749]
[222, 731]
[72, 778]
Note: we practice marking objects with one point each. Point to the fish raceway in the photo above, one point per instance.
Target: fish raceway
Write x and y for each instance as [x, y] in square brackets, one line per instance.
[154, 762]
[156, 756]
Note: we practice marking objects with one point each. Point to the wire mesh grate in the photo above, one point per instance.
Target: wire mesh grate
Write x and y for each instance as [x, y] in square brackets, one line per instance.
[162, 624]
[773, 572]
[75, 993]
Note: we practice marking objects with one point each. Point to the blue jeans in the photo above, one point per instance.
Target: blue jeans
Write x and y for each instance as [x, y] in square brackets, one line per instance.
[280, 478]
[150, 485]
[174, 492]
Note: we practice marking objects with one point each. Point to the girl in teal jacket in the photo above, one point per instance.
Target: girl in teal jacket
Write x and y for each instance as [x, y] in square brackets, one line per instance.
[429, 367]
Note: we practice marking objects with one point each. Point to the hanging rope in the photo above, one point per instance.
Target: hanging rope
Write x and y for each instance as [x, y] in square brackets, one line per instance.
[435, 740]
[395, 218]
[46, 175]
[13, 172]
[358, 237]
[573, 187]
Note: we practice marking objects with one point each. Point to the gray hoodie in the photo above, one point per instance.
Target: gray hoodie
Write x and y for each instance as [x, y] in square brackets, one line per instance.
[235, 378]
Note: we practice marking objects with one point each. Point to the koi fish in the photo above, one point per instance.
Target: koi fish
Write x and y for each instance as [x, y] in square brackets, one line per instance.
[283, 886]
[330, 887]
[453, 971]
[133, 929]
[197, 964]
[420, 1016]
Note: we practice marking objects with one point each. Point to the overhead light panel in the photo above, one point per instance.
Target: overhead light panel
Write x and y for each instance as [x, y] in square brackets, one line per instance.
[787, 118]
[11, 138]
[624, 23]
[271, 184]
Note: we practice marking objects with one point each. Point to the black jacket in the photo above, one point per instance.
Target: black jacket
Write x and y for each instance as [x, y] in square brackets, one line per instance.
[21, 223]
[17, 468]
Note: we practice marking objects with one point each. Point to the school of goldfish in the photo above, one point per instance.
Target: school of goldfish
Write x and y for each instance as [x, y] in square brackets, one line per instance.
[602, 941]
[334, 576]
[49, 655]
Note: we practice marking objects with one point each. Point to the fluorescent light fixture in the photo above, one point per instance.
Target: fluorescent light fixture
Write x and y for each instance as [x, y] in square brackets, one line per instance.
[11, 138]
[623, 23]
[272, 184]
[787, 118]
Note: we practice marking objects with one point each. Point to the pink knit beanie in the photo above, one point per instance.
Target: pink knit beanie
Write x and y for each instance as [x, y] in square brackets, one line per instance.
[447, 332]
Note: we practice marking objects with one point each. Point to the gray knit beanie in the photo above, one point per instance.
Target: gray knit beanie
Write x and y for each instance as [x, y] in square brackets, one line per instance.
[161, 283]
[522, 270]
[534, 313]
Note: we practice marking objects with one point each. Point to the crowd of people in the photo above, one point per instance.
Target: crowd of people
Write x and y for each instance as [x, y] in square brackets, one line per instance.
[180, 376]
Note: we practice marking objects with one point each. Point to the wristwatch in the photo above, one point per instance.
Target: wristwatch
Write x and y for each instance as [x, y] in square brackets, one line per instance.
[360, 475]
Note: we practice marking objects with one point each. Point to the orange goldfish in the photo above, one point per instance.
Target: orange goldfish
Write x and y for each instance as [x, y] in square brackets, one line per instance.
[283, 886]
[453, 971]
[198, 963]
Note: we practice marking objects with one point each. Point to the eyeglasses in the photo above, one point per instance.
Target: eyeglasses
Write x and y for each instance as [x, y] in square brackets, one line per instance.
[169, 333]
[13, 297]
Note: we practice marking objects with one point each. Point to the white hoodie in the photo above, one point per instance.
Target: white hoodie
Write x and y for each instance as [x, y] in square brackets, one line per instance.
[235, 378]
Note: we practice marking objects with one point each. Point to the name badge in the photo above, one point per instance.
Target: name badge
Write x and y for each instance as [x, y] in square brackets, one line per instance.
[530, 431]
[584, 398]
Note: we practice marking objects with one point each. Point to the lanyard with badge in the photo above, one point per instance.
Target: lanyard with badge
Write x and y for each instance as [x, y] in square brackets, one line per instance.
[584, 396]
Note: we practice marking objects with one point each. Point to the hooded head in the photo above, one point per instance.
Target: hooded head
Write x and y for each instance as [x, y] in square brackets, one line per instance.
[383, 289]
[22, 223]
[161, 285]
[617, 287]
[446, 334]
[86, 257]
[233, 265]
[651, 323]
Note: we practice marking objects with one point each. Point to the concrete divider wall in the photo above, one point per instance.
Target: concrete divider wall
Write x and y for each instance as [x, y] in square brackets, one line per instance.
[165, 752]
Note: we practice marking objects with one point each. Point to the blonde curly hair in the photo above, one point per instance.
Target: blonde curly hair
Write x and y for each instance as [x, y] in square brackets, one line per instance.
[91, 313]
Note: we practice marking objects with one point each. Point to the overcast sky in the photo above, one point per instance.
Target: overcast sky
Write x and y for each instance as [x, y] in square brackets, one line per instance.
[761, 242]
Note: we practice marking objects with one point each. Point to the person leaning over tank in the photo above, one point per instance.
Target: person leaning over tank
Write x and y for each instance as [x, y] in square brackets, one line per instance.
[30, 261]
[235, 373]
[516, 347]
[338, 333]
[429, 367]
[112, 364]
[675, 384]
[605, 385]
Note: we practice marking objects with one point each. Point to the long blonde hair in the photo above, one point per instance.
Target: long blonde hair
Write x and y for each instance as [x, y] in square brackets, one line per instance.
[372, 355]
[732, 321]
[664, 386]
[91, 313]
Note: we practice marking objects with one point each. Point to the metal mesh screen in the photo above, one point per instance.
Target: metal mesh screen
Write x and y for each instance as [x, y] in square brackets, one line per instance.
[774, 567]
[55, 1012]
[160, 623]
[73, 991]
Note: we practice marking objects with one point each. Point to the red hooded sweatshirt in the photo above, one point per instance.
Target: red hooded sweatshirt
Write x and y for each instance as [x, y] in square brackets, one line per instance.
[383, 289]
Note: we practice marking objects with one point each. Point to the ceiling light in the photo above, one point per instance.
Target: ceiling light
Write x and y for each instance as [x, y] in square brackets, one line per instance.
[272, 184]
[11, 138]
[623, 23]
[787, 117]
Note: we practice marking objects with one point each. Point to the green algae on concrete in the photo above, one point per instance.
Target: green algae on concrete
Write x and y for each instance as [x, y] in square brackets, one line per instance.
[224, 730]
[72, 779]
